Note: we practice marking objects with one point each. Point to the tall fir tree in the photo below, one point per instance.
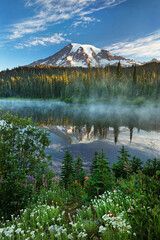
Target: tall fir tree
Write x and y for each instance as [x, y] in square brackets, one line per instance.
[122, 168]
[79, 170]
[102, 178]
[119, 70]
[94, 163]
[135, 74]
[67, 170]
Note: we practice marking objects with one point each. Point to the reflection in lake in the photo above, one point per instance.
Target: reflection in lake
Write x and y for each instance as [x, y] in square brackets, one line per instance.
[86, 128]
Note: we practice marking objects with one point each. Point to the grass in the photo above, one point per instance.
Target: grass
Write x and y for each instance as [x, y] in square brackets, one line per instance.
[129, 211]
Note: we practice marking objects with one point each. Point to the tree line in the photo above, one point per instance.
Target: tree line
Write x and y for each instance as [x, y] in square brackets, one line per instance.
[46, 82]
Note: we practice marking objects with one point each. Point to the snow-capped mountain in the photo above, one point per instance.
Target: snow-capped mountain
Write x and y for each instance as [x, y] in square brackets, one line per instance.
[78, 55]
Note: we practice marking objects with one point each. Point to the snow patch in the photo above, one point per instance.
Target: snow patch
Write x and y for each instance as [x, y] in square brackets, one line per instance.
[70, 58]
[87, 48]
[59, 62]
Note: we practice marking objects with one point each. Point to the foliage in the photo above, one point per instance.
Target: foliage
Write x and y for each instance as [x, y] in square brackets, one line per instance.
[116, 214]
[94, 163]
[136, 164]
[67, 170]
[79, 171]
[23, 161]
[128, 211]
[119, 70]
[145, 214]
[122, 167]
[151, 167]
[101, 176]
[70, 84]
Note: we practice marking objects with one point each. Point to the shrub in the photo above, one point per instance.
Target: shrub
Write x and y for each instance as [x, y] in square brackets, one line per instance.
[23, 161]
[151, 167]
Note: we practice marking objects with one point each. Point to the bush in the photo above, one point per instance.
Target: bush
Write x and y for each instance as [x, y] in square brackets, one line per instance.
[23, 162]
[145, 216]
[151, 167]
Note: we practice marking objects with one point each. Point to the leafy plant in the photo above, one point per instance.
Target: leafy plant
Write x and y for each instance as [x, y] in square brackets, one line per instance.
[151, 167]
[22, 161]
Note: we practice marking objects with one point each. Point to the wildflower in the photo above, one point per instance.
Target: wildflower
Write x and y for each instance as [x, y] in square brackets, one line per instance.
[111, 214]
[59, 219]
[73, 224]
[86, 178]
[102, 229]
[58, 234]
[63, 212]
[1, 230]
[90, 206]
[82, 234]
[70, 236]
[76, 181]
[18, 230]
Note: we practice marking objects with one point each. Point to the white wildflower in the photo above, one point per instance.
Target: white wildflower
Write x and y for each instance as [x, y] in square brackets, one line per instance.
[82, 235]
[102, 229]
[70, 236]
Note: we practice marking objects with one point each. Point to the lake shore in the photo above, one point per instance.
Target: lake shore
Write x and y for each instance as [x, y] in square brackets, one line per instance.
[138, 101]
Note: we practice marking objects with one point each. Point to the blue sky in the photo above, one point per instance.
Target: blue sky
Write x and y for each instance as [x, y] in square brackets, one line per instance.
[35, 29]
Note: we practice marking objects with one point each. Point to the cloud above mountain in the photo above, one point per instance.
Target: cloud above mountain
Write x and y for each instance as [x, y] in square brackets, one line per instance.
[147, 46]
[44, 41]
[48, 12]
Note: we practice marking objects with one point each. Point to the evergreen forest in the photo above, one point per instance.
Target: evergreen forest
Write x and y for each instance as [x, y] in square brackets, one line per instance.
[71, 84]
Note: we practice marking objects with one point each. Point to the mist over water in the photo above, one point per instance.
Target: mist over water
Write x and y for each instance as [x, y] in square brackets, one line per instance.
[117, 114]
[85, 128]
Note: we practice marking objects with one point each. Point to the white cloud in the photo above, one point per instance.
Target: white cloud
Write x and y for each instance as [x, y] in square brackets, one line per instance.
[55, 11]
[148, 46]
[44, 41]
[84, 20]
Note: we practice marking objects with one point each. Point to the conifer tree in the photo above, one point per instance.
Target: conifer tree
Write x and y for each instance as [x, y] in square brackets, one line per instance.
[67, 170]
[102, 179]
[135, 75]
[119, 70]
[122, 168]
[94, 163]
[79, 170]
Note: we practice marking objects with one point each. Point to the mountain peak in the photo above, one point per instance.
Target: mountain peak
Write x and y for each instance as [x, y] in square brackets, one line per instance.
[79, 55]
[87, 48]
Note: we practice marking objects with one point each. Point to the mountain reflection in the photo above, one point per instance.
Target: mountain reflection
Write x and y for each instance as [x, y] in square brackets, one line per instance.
[89, 121]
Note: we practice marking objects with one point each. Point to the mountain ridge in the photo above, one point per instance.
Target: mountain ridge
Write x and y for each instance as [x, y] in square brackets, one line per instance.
[80, 55]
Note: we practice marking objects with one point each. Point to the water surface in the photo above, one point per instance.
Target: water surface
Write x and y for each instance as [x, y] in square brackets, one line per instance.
[86, 128]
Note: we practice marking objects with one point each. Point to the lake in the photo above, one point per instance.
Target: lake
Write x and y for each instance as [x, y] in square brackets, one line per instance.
[86, 128]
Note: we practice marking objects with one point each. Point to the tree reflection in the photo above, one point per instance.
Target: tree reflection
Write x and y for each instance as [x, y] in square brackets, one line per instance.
[79, 122]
